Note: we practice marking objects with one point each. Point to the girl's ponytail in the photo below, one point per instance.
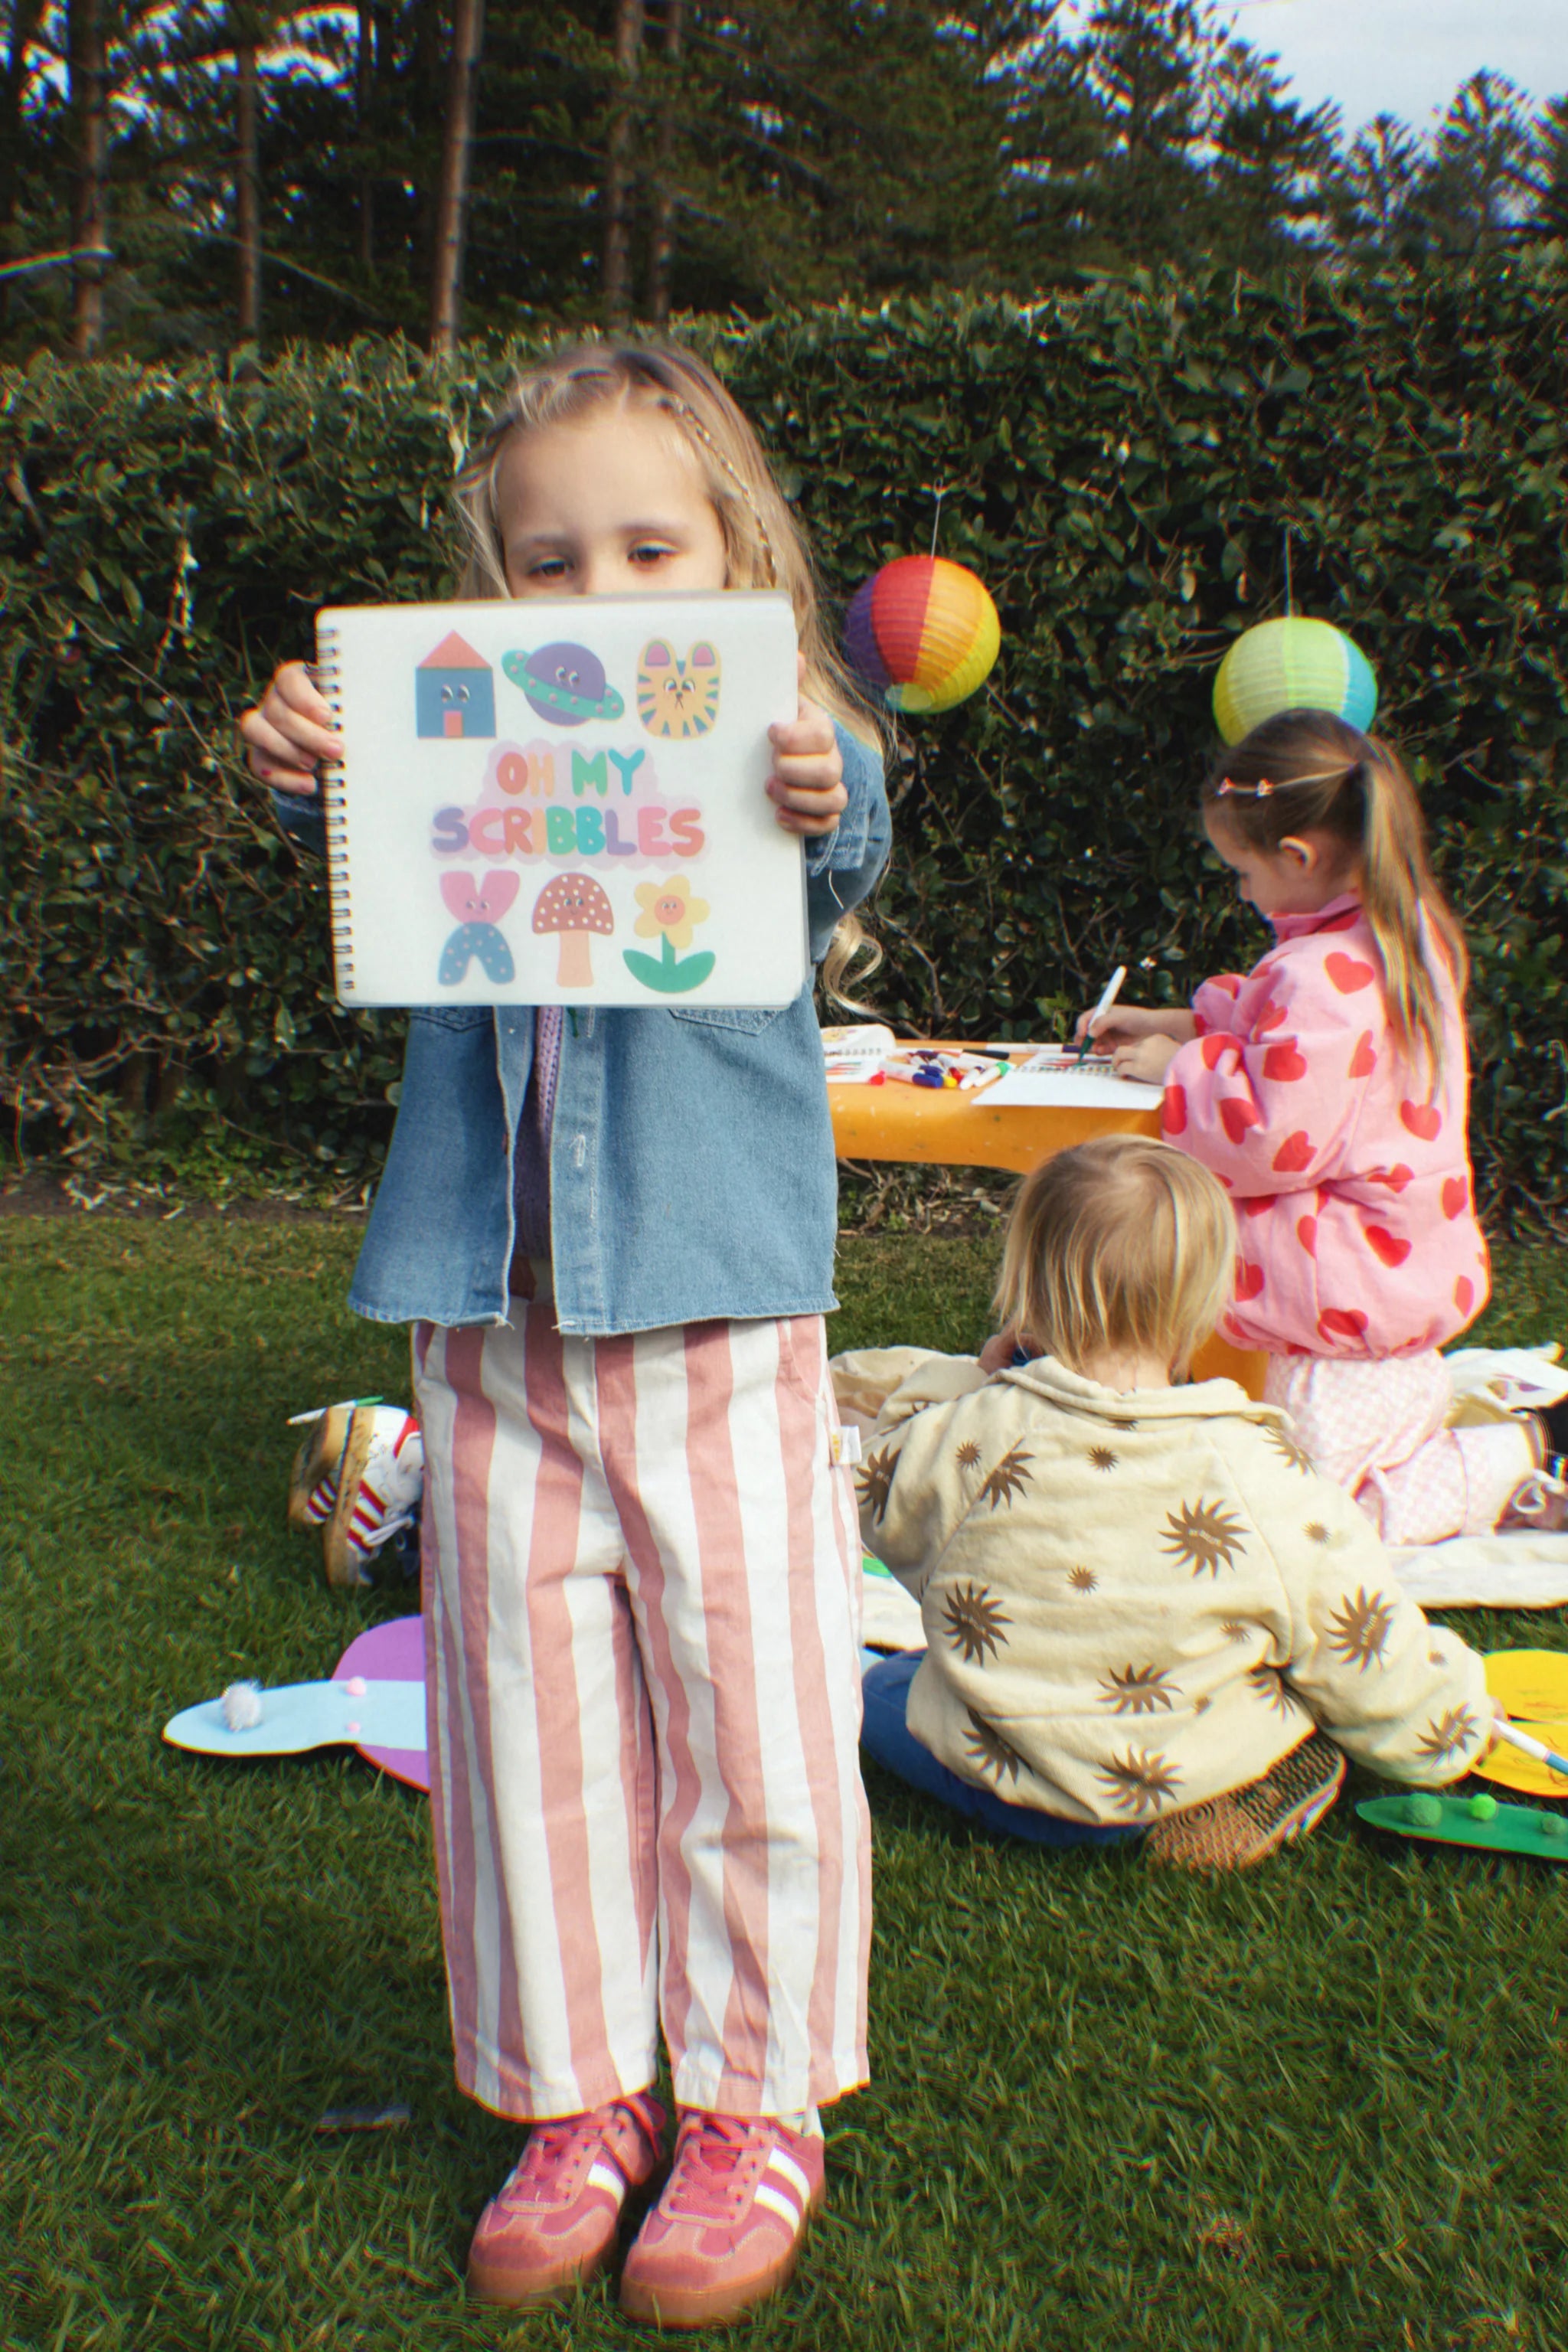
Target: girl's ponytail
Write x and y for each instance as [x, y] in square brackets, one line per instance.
[1405, 907]
[1307, 771]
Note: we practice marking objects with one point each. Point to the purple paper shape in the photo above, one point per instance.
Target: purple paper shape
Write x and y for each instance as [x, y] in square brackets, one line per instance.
[392, 1652]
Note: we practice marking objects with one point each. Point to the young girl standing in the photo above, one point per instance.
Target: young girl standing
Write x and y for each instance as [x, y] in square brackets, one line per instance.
[614, 1236]
[1326, 1090]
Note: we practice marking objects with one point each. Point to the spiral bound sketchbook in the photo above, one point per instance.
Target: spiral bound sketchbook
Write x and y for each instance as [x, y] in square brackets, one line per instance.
[562, 801]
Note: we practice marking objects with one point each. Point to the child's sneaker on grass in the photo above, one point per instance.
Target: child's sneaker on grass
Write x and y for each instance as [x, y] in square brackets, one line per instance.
[358, 1477]
[554, 2223]
[728, 2226]
[1234, 1831]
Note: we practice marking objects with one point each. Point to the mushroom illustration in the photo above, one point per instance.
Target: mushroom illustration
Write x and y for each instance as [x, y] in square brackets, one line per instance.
[574, 907]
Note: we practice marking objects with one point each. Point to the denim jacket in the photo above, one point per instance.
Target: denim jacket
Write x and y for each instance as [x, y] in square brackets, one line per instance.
[691, 1163]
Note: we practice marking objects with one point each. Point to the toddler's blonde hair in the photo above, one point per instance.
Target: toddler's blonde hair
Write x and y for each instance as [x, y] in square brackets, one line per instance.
[763, 545]
[1121, 1243]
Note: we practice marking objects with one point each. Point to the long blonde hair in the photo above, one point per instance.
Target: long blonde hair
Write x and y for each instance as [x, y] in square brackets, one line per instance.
[763, 545]
[1121, 1243]
[1307, 771]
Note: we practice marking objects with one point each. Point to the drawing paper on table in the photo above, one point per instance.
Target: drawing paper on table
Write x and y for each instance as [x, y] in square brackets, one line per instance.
[1055, 1079]
[562, 801]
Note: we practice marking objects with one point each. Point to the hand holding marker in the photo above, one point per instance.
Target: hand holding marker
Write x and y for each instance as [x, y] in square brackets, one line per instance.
[1112, 989]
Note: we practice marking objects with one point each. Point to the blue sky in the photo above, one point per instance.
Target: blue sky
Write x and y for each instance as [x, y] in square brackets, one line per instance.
[1407, 56]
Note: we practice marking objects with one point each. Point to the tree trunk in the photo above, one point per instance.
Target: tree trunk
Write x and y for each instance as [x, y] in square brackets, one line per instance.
[365, 107]
[661, 237]
[248, 197]
[24, 15]
[89, 206]
[452, 201]
[618, 171]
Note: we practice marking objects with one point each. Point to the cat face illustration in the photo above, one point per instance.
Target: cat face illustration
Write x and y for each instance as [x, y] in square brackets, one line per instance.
[478, 902]
[677, 699]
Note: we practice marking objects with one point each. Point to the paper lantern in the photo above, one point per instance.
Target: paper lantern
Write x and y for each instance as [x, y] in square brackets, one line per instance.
[923, 633]
[1292, 665]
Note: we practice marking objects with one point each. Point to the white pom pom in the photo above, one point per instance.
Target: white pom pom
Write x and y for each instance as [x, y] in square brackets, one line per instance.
[242, 1707]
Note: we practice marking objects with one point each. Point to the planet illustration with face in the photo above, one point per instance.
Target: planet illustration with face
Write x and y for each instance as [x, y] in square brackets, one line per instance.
[565, 683]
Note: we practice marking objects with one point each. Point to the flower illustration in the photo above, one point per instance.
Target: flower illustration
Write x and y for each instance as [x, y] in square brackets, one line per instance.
[669, 909]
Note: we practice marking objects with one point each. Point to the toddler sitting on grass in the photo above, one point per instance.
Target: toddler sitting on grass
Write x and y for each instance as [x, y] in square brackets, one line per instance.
[1144, 1608]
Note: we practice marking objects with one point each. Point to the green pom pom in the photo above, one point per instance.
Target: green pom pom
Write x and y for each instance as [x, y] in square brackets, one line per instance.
[1481, 1807]
[1425, 1813]
[1552, 1825]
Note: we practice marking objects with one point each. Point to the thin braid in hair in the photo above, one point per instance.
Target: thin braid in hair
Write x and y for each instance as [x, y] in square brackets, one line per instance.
[689, 417]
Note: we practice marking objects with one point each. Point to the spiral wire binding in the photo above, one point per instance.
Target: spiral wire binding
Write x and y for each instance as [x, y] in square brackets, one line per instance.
[334, 791]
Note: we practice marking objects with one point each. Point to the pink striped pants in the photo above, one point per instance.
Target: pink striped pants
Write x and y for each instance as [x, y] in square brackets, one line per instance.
[642, 1601]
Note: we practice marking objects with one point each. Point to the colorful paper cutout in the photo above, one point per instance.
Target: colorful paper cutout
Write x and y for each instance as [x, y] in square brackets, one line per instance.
[375, 1703]
[564, 683]
[299, 1716]
[677, 699]
[390, 1653]
[453, 693]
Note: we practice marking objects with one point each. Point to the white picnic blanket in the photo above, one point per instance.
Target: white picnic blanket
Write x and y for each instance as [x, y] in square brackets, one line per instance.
[1520, 1570]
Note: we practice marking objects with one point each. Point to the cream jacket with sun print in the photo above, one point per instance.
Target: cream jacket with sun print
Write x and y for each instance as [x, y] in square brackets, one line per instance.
[1136, 1602]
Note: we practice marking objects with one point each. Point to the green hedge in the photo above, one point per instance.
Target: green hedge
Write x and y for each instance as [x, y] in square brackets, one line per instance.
[1123, 464]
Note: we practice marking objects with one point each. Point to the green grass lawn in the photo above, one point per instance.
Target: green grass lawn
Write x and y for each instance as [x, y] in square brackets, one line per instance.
[1325, 2105]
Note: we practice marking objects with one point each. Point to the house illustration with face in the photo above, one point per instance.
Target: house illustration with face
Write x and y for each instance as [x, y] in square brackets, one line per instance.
[455, 692]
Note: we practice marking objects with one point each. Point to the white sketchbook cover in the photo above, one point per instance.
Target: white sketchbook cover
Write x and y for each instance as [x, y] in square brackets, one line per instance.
[561, 802]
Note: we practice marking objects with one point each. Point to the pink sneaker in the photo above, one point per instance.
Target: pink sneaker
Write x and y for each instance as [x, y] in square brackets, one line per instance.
[556, 2222]
[727, 2230]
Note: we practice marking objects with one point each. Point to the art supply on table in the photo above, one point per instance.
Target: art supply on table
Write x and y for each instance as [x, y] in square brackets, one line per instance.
[941, 1067]
[1112, 991]
[1479, 1823]
[1056, 1077]
[854, 1053]
[562, 801]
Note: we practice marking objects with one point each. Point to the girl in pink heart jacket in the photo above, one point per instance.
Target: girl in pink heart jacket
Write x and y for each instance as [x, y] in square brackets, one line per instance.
[1326, 1090]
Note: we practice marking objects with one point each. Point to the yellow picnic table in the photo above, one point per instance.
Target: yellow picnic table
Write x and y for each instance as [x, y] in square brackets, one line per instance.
[946, 1127]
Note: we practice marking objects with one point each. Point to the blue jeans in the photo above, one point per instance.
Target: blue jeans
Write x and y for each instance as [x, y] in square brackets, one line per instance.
[886, 1736]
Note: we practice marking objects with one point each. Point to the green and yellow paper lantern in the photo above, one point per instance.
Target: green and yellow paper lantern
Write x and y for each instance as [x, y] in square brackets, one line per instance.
[1292, 665]
[923, 633]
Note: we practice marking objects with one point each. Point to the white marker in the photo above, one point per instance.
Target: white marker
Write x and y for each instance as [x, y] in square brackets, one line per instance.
[1511, 1733]
[1112, 989]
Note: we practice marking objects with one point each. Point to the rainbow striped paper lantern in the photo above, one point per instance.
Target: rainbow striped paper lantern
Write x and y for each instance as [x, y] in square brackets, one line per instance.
[923, 633]
[1292, 665]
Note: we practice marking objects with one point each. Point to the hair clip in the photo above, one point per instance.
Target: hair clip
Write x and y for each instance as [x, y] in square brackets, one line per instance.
[1261, 791]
